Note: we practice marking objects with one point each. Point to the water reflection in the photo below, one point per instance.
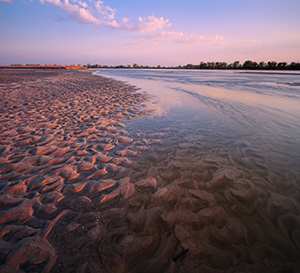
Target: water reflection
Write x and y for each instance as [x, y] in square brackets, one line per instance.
[255, 89]
[269, 113]
[227, 168]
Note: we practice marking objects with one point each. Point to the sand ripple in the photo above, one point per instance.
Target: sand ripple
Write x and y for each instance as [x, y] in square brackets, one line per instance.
[189, 205]
[61, 134]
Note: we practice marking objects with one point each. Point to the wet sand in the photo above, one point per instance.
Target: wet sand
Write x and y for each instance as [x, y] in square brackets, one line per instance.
[62, 133]
[82, 192]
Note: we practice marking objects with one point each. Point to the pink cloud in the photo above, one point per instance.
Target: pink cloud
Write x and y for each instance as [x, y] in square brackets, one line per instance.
[151, 23]
[113, 24]
[81, 12]
[192, 38]
[163, 35]
[104, 10]
[102, 14]
[84, 16]
[125, 20]
[6, 1]
[216, 40]
[253, 42]
[83, 4]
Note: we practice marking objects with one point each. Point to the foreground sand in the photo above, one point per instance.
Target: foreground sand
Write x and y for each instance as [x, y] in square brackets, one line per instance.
[61, 132]
[81, 192]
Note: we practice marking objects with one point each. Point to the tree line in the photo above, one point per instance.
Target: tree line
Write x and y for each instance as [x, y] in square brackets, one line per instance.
[248, 65]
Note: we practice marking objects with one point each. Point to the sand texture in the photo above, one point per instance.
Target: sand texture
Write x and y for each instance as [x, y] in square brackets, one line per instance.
[61, 133]
[81, 192]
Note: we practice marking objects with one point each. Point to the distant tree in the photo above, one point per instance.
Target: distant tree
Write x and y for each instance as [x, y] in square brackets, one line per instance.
[294, 66]
[135, 66]
[210, 65]
[203, 65]
[262, 65]
[220, 65]
[189, 66]
[282, 65]
[272, 65]
[249, 65]
[236, 64]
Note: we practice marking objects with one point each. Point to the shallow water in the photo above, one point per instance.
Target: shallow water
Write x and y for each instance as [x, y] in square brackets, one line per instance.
[226, 105]
[231, 139]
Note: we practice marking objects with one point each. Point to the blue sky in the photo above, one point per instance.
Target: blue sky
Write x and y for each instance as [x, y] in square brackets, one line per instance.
[148, 32]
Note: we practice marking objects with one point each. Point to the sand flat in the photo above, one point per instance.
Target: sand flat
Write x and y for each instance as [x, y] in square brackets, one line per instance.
[59, 130]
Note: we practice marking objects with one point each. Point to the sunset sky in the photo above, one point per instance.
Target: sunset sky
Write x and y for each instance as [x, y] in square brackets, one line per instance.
[156, 32]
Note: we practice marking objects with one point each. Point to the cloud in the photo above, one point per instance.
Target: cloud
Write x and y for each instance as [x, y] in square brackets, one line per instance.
[215, 39]
[100, 14]
[83, 4]
[6, 1]
[192, 38]
[155, 36]
[105, 11]
[125, 20]
[163, 35]
[253, 42]
[151, 23]
[179, 38]
[112, 24]
[148, 24]
[84, 16]
[78, 10]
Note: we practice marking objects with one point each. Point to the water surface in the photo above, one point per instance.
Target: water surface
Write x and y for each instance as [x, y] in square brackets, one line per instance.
[263, 107]
[230, 141]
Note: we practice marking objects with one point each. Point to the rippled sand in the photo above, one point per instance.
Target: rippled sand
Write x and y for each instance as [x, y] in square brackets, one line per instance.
[79, 193]
[62, 133]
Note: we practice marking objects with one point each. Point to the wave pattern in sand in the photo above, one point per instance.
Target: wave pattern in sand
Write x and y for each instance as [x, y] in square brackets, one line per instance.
[61, 133]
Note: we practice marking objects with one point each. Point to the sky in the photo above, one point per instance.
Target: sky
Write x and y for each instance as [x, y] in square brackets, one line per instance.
[156, 32]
